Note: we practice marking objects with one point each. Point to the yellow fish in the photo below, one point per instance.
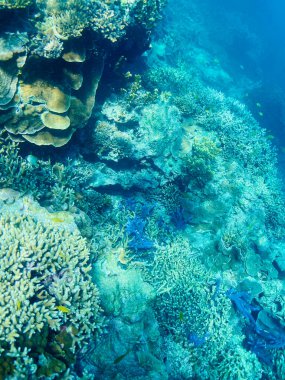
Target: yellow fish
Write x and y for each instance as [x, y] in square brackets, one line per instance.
[181, 316]
[18, 305]
[57, 220]
[63, 309]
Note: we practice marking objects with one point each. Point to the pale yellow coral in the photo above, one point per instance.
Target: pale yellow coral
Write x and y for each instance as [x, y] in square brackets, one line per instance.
[44, 271]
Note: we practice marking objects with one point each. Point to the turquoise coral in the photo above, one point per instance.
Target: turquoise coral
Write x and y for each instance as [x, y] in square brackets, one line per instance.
[239, 364]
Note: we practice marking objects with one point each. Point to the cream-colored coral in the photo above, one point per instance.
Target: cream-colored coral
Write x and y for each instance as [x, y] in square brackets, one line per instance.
[110, 19]
[45, 284]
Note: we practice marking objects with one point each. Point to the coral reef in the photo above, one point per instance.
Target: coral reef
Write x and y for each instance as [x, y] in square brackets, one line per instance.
[130, 347]
[209, 171]
[109, 20]
[51, 69]
[49, 305]
[191, 309]
[174, 185]
[15, 4]
[239, 364]
[52, 185]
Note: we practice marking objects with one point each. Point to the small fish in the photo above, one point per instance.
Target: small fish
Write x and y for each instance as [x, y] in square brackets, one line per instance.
[197, 340]
[258, 105]
[32, 160]
[122, 256]
[181, 316]
[18, 305]
[128, 74]
[260, 114]
[270, 137]
[63, 309]
[241, 67]
[57, 220]
[121, 357]
[79, 196]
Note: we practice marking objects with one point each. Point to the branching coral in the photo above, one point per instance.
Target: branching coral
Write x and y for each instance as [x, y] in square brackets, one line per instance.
[54, 184]
[15, 4]
[239, 364]
[191, 308]
[200, 164]
[108, 19]
[111, 143]
[48, 303]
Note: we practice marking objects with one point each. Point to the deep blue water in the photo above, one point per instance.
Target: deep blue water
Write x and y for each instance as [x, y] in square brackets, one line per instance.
[255, 51]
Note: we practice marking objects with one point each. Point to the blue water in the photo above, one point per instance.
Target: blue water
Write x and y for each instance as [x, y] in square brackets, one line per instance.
[248, 38]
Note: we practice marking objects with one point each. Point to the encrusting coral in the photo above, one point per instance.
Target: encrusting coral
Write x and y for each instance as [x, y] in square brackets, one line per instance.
[49, 306]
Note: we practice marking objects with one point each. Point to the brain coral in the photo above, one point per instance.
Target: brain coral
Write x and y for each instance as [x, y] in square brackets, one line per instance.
[48, 303]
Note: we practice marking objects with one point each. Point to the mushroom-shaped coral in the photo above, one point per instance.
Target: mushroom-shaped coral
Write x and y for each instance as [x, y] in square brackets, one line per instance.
[43, 92]
[12, 57]
[49, 110]
[68, 43]
[54, 121]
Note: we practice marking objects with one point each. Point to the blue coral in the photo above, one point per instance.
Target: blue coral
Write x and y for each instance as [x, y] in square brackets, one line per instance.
[260, 338]
[136, 230]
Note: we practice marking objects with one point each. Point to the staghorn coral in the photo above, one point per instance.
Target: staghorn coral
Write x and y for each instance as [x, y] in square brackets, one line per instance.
[48, 303]
[179, 364]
